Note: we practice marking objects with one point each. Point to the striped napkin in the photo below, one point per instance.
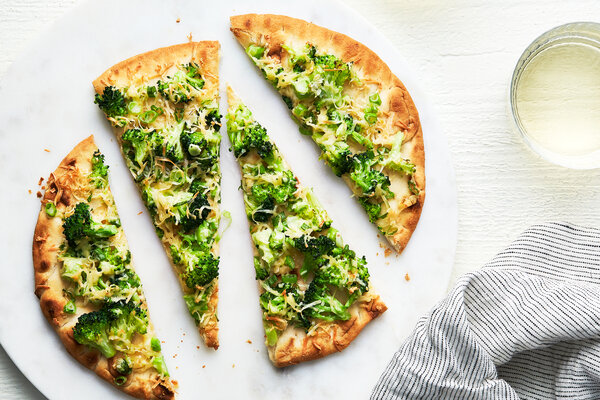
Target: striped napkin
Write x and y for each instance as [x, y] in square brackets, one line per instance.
[526, 326]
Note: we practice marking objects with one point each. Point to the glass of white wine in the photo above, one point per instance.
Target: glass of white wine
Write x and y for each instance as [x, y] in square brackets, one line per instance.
[555, 95]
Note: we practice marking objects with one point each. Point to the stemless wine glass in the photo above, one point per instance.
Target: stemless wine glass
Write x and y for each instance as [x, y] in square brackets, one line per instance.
[555, 95]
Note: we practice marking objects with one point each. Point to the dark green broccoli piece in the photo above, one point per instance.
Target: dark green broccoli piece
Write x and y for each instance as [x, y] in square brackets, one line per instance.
[213, 119]
[373, 210]
[99, 169]
[265, 211]
[288, 102]
[203, 273]
[334, 69]
[80, 225]
[193, 76]
[192, 213]
[365, 176]
[252, 137]
[126, 278]
[197, 147]
[315, 246]
[138, 145]
[339, 159]
[112, 102]
[92, 330]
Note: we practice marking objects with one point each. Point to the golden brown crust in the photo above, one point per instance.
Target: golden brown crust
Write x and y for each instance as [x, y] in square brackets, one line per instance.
[152, 65]
[295, 346]
[64, 191]
[396, 101]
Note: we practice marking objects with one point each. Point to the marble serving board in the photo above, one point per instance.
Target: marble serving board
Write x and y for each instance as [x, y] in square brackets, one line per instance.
[46, 103]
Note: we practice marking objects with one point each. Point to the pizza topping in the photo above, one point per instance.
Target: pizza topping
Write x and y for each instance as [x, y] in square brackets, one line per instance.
[171, 144]
[306, 274]
[341, 112]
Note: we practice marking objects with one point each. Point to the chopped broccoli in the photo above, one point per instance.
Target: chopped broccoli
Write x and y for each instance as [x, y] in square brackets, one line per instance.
[192, 213]
[80, 225]
[99, 170]
[173, 148]
[373, 210]
[138, 144]
[323, 304]
[197, 147]
[177, 88]
[160, 366]
[213, 119]
[339, 158]
[123, 366]
[315, 246]
[365, 176]
[197, 304]
[251, 137]
[112, 102]
[203, 273]
[92, 330]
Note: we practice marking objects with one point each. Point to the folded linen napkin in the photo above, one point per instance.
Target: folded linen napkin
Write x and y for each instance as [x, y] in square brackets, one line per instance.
[526, 326]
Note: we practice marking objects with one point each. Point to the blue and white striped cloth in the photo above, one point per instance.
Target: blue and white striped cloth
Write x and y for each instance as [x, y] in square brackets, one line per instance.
[526, 326]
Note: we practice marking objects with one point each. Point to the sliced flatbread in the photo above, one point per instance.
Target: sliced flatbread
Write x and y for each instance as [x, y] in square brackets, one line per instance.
[315, 292]
[354, 108]
[163, 106]
[88, 289]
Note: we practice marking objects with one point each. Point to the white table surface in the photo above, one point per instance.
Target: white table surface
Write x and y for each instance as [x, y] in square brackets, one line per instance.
[464, 52]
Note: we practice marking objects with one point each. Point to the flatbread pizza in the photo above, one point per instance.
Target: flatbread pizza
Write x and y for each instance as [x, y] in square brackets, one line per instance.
[86, 283]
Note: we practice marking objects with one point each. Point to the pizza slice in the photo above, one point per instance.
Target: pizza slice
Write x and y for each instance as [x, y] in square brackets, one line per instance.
[88, 289]
[354, 108]
[315, 291]
[163, 106]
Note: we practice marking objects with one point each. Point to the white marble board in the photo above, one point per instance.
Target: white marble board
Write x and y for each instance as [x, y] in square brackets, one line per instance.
[46, 103]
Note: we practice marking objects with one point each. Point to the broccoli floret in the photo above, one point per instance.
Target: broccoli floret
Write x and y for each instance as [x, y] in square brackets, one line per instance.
[112, 102]
[365, 176]
[339, 159]
[174, 150]
[80, 225]
[213, 119]
[265, 211]
[203, 273]
[92, 330]
[334, 69]
[194, 212]
[373, 210]
[126, 319]
[99, 170]
[197, 147]
[315, 246]
[138, 144]
[126, 278]
[252, 137]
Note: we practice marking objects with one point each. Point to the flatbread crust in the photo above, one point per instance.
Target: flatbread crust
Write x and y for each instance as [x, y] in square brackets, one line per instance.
[151, 65]
[63, 188]
[397, 104]
[294, 345]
